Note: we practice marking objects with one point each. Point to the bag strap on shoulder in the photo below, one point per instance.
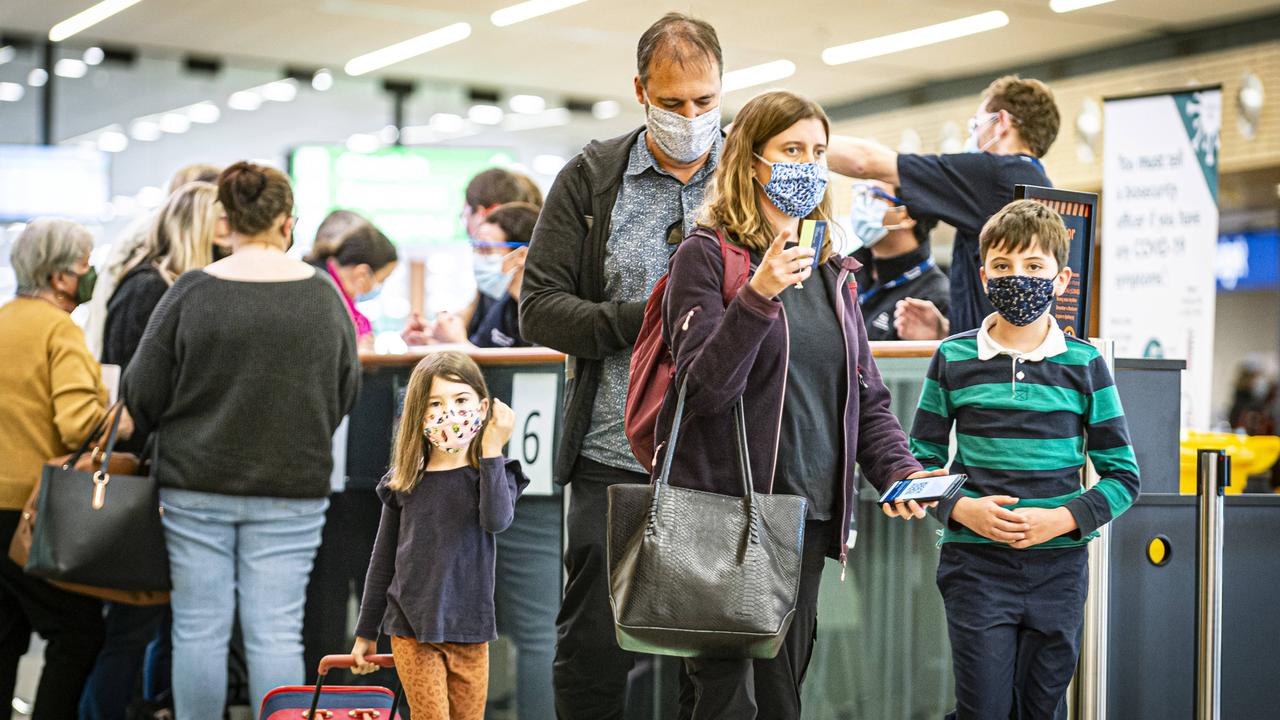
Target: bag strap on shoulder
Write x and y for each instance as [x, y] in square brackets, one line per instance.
[737, 267]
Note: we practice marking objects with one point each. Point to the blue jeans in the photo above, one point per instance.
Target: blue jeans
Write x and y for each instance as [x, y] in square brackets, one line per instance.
[227, 551]
[131, 631]
[527, 598]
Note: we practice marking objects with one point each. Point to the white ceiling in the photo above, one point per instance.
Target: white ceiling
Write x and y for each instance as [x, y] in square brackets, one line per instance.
[588, 51]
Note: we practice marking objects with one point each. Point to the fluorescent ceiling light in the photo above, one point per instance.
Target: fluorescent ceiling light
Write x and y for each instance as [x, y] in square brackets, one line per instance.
[11, 92]
[322, 80]
[280, 91]
[175, 123]
[527, 104]
[418, 134]
[244, 100]
[144, 130]
[37, 77]
[94, 56]
[363, 143]
[88, 18]
[606, 109]
[70, 68]
[204, 112]
[485, 114]
[531, 9]
[910, 39]
[7, 53]
[1065, 6]
[410, 48]
[112, 141]
[447, 123]
[758, 75]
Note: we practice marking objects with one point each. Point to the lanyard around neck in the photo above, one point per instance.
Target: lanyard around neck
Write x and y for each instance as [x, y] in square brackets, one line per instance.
[906, 277]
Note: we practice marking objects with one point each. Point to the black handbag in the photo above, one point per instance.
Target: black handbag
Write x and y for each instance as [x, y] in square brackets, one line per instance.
[700, 574]
[99, 529]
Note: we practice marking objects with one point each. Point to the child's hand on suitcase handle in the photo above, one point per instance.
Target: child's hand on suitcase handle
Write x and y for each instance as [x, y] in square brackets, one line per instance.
[362, 648]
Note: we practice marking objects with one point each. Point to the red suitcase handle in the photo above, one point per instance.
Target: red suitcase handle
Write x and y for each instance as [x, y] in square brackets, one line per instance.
[331, 662]
[337, 662]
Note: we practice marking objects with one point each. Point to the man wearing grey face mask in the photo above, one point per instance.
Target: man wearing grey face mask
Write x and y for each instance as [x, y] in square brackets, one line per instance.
[603, 240]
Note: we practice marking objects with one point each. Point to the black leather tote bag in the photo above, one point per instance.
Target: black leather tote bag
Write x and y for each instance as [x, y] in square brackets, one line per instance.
[700, 574]
[99, 529]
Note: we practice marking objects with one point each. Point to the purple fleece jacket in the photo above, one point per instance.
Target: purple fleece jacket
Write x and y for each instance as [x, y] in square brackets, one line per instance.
[742, 350]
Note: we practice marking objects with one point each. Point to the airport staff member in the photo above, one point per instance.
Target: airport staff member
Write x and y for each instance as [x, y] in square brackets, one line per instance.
[1016, 123]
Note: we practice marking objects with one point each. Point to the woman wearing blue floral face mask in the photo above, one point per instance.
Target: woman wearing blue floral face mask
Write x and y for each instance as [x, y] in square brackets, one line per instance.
[792, 345]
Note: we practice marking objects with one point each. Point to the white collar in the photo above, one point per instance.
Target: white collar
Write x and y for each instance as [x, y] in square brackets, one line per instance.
[1055, 343]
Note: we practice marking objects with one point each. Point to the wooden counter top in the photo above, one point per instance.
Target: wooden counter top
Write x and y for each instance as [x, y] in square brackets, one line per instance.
[545, 356]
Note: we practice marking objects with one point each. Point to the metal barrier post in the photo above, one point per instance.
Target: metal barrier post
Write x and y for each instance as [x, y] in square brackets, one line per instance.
[1212, 475]
[1091, 673]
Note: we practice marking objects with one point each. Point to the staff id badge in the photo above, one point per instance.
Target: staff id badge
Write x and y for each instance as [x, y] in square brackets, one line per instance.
[925, 489]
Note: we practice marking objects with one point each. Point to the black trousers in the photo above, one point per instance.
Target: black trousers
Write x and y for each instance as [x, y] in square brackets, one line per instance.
[590, 671]
[71, 625]
[1014, 618]
[764, 689]
[346, 543]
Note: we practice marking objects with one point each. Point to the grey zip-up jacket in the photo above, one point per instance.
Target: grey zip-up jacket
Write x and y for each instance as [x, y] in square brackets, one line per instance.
[562, 302]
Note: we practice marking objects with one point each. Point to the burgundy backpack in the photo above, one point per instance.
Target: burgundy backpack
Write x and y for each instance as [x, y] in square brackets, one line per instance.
[652, 366]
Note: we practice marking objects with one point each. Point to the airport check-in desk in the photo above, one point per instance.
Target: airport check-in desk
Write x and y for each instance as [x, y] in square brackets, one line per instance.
[882, 650]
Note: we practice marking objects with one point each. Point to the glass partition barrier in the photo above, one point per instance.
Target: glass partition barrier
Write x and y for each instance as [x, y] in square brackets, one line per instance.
[882, 650]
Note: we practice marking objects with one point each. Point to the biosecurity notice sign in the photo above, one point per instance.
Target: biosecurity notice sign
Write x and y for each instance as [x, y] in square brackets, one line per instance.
[1160, 233]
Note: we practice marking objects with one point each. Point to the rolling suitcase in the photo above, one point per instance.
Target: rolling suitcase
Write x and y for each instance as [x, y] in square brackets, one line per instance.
[337, 702]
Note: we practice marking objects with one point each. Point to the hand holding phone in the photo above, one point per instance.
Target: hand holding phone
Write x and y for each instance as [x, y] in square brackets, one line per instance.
[813, 233]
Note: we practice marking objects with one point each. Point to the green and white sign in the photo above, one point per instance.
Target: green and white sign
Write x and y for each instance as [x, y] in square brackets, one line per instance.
[1160, 233]
[413, 194]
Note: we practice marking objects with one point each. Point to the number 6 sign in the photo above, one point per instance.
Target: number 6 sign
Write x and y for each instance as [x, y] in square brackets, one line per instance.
[533, 399]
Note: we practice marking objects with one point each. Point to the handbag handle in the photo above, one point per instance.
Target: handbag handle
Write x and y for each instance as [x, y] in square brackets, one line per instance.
[103, 476]
[744, 463]
[95, 434]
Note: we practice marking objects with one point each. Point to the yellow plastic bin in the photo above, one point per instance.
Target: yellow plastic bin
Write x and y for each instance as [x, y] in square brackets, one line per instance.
[1250, 455]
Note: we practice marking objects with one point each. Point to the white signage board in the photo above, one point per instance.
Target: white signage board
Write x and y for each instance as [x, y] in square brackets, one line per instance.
[1160, 232]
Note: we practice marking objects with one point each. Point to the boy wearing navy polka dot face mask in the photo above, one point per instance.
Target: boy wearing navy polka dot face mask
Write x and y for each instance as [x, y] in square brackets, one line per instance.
[1027, 402]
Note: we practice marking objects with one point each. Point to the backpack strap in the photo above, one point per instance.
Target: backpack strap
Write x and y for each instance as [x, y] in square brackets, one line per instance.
[737, 268]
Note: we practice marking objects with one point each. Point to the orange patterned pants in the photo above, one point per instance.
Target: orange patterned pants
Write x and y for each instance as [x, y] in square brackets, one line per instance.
[443, 681]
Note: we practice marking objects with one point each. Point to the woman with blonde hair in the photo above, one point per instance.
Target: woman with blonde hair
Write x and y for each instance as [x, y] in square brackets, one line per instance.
[793, 347]
[181, 238]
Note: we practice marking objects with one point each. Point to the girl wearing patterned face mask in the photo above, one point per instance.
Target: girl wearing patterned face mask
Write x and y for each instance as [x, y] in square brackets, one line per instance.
[431, 576]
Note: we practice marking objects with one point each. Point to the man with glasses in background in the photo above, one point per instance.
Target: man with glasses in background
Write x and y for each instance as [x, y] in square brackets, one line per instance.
[1016, 123]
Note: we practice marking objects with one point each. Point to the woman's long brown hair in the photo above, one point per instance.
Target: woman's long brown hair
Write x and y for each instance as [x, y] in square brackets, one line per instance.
[733, 200]
[412, 449]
